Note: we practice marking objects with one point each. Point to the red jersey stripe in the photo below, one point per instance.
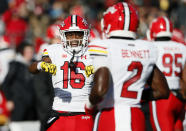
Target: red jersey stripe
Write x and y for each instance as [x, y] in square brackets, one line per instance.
[97, 46]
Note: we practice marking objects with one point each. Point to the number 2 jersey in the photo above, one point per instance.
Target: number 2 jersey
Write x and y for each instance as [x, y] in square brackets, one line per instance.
[171, 60]
[71, 87]
[130, 62]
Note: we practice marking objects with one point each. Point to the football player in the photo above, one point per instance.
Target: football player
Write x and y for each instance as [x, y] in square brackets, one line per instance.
[171, 60]
[123, 66]
[71, 71]
[7, 54]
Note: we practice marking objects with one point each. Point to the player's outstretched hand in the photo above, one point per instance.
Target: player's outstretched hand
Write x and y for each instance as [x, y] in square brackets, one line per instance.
[48, 67]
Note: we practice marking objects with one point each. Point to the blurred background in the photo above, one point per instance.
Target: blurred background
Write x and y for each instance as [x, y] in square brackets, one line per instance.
[35, 16]
[27, 25]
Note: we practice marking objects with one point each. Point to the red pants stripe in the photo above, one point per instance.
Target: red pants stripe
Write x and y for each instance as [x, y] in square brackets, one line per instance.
[165, 114]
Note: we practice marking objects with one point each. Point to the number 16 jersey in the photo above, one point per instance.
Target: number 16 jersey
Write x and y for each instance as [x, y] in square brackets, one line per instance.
[71, 86]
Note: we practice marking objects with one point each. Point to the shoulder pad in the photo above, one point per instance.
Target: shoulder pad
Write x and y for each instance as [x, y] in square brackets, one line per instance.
[45, 52]
[97, 50]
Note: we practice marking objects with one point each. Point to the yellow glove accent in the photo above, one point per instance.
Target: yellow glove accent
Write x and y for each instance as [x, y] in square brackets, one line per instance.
[89, 70]
[48, 67]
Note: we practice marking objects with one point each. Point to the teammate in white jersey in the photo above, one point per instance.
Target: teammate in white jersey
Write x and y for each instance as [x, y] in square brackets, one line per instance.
[7, 54]
[72, 76]
[165, 114]
[123, 66]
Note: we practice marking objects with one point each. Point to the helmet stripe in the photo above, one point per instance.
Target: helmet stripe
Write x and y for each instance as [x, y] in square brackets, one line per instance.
[127, 16]
[167, 24]
[74, 20]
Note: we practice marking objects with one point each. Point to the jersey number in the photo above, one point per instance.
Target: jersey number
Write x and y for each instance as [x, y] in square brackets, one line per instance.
[170, 63]
[125, 92]
[77, 80]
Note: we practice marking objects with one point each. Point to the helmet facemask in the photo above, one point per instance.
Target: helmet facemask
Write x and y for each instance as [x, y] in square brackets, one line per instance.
[79, 43]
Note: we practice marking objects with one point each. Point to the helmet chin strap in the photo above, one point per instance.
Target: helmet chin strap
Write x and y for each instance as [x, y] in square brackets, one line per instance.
[71, 64]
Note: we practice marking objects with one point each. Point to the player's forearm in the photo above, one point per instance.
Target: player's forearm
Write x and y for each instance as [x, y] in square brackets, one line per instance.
[101, 85]
[159, 90]
[95, 98]
[159, 86]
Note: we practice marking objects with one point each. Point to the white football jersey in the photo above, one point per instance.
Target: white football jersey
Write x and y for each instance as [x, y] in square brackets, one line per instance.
[71, 88]
[130, 62]
[171, 60]
[6, 55]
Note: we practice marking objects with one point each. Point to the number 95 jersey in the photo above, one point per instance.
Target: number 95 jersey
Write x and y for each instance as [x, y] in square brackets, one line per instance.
[171, 60]
[71, 86]
[130, 63]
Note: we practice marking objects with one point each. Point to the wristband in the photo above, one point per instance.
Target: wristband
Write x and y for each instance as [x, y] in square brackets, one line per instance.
[89, 105]
[89, 108]
[39, 66]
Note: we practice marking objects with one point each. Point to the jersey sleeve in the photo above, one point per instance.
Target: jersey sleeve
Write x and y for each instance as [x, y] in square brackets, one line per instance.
[99, 54]
[97, 50]
[154, 52]
[45, 52]
[51, 51]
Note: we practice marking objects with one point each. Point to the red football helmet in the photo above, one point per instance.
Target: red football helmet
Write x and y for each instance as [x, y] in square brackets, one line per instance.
[71, 24]
[52, 32]
[120, 19]
[160, 27]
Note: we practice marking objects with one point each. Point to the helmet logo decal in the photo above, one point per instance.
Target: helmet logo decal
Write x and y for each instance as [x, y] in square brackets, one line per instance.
[85, 22]
[112, 10]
